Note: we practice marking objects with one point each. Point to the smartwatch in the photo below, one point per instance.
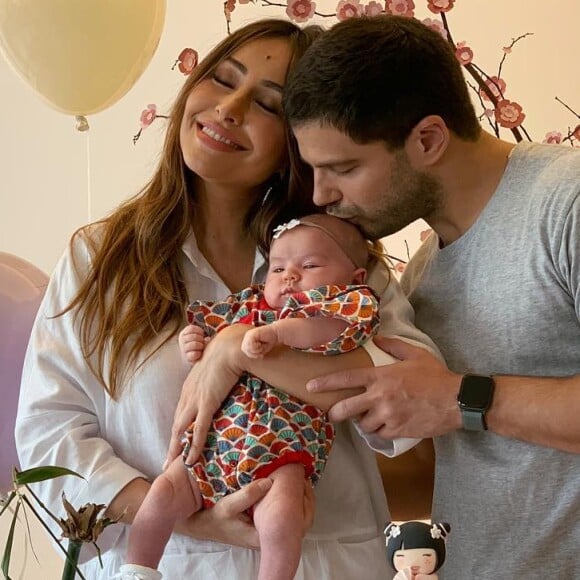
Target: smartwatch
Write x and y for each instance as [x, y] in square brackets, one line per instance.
[474, 399]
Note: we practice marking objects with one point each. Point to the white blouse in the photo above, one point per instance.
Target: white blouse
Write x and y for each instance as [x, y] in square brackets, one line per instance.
[66, 418]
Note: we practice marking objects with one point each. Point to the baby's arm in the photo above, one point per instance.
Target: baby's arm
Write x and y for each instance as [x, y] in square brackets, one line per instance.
[192, 341]
[294, 332]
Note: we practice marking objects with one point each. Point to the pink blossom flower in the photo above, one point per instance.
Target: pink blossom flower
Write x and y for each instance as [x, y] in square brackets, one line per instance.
[509, 114]
[187, 60]
[507, 49]
[425, 234]
[229, 7]
[349, 9]
[464, 54]
[400, 267]
[553, 137]
[400, 8]
[148, 115]
[373, 9]
[438, 6]
[497, 87]
[435, 25]
[300, 10]
[576, 133]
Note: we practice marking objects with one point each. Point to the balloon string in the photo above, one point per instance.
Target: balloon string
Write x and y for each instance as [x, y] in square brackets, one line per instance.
[82, 125]
[89, 196]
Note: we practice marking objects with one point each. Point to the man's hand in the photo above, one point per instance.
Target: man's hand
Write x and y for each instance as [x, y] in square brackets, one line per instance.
[205, 388]
[416, 397]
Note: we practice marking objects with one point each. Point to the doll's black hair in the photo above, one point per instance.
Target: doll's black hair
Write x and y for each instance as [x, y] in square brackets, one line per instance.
[410, 535]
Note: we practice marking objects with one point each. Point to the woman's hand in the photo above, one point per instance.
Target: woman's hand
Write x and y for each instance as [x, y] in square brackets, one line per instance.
[205, 388]
[228, 522]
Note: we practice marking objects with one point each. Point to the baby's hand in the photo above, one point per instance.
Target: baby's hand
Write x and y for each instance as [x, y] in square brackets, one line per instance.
[192, 341]
[259, 341]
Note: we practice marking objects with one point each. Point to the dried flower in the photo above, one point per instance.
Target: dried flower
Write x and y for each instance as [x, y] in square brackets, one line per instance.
[84, 524]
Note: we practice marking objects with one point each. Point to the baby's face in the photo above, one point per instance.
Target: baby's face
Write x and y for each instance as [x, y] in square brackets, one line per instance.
[419, 560]
[304, 258]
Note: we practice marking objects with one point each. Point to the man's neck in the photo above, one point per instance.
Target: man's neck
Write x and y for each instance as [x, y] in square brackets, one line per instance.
[469, 175]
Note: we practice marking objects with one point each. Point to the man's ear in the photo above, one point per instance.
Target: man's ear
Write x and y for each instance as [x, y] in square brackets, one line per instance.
[427, 142]
[359, 276]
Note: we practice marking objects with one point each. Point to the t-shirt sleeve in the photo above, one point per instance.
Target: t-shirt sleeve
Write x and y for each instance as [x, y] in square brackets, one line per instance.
[568, 259]
[358, 306]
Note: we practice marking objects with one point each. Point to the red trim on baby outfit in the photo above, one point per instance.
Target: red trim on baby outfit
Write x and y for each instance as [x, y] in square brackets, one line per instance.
[286, 459]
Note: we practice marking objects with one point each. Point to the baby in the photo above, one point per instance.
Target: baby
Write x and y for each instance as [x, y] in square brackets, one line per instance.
[313, 299]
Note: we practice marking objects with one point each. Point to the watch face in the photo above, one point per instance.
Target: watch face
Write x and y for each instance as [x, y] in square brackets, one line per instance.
[476, 392]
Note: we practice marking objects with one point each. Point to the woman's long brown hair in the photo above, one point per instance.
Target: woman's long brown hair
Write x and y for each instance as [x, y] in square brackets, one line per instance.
[134, 291]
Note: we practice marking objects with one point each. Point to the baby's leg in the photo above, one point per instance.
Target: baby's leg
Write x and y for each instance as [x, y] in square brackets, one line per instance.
[174, 495]
[279, 519]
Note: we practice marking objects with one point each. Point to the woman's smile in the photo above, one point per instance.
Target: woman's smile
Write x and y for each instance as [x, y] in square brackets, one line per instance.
[218, 138]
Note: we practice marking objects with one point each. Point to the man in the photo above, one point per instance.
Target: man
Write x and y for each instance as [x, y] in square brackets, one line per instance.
[381, 112]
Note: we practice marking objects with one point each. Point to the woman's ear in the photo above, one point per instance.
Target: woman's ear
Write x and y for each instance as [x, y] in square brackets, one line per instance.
[359, 276]
[427, 142]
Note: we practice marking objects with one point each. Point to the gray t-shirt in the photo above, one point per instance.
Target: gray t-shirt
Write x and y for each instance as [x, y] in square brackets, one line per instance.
[505, 299]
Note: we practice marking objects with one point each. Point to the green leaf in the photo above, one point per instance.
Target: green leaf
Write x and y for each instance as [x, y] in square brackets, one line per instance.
[42, 474]
[9, 543]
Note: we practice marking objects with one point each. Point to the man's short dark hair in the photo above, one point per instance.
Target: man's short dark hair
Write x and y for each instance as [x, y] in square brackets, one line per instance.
[376, 78]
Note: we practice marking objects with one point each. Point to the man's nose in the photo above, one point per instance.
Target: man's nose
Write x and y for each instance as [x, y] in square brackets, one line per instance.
[325, 193]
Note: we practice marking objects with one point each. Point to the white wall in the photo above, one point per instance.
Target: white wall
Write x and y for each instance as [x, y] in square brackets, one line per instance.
[44, 175]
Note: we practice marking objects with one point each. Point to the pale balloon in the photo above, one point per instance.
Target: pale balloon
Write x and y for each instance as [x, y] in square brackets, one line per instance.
[80, 56]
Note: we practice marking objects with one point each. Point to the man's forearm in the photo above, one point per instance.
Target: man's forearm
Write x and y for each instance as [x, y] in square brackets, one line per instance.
[543, 411]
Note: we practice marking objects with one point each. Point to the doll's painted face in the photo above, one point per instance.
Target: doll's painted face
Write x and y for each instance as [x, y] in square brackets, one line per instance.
[418, 560]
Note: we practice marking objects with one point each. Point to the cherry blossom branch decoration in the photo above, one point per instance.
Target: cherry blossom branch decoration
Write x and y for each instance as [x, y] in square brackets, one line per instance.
[498, 111]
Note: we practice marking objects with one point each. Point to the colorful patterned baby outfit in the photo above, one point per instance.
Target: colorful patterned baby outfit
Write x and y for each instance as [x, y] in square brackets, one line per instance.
[259, 428]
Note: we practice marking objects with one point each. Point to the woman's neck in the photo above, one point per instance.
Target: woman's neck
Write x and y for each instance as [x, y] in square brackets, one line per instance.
[218, 224]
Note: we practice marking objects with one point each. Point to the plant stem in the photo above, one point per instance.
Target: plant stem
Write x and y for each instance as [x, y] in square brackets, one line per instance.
[71, 563]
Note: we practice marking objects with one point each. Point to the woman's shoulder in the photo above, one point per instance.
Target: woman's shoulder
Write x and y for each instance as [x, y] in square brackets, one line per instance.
[379, 277]
[76, 258]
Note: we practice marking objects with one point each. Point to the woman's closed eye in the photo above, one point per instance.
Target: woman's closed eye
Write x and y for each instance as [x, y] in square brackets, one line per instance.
[223, 81]
[269, 106]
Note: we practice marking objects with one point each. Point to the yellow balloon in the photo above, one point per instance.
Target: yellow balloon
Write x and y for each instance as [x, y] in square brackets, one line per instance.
[81, 56]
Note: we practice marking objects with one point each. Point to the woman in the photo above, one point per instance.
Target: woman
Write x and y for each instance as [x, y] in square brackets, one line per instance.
[103, 371]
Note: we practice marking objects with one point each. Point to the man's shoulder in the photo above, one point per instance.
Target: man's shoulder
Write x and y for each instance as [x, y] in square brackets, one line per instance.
[558, 163]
